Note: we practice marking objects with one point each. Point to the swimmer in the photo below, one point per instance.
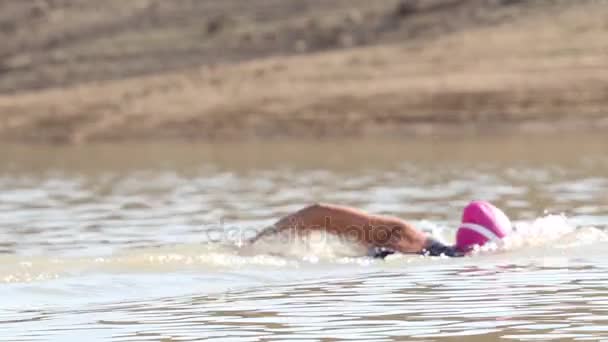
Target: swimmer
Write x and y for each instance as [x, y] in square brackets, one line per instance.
[481, 223]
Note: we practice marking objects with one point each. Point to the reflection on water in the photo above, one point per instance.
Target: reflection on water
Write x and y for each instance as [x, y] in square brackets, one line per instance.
[511, 301]
[137, 242]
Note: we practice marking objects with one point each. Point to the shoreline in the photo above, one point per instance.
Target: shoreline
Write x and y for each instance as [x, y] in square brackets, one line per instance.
[408, 132]
[535, 68]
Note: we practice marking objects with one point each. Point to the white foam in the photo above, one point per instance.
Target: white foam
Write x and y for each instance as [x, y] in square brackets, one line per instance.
[313, 246]
[545, 234]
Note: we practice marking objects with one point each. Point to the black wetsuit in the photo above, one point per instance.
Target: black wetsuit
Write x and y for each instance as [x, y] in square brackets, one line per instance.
[433, 248]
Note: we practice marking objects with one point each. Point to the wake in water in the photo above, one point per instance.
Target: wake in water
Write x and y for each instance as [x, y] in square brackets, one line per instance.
[548, 232]
[545, 235]
[551, 231]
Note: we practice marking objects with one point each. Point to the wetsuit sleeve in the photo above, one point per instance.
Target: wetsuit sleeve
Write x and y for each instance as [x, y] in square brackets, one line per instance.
[436, 248]
[433, 248]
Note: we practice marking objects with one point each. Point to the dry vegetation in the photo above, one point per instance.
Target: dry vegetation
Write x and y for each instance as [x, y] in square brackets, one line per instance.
[85, 70]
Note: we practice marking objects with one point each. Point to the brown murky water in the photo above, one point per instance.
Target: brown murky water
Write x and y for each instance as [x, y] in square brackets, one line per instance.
[141, 242]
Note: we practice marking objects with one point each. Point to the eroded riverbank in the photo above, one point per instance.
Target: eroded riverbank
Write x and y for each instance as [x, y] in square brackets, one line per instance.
[497, 66]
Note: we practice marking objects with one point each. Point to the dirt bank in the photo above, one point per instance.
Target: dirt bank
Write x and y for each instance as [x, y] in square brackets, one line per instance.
[82, 70]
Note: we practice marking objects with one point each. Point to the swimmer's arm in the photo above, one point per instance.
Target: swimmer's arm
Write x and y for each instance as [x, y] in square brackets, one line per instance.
[405, 238]
[372, 230]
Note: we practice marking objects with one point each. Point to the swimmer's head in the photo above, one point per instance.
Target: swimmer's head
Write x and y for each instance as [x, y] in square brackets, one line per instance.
[481, 223]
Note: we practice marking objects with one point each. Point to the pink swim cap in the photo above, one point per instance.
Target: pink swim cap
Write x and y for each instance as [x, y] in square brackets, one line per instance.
[481, 222]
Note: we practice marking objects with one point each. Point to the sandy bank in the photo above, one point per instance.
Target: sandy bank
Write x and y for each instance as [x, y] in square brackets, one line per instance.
[389, 70]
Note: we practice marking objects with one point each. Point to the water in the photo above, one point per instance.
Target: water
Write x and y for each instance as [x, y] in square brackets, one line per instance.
[141, 242]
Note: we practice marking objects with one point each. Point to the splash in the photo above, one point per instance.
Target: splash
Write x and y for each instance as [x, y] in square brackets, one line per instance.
[313, 246]
[545, 234]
